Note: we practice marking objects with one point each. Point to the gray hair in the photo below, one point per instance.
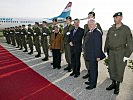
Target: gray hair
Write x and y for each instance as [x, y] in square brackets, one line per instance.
[92, 20]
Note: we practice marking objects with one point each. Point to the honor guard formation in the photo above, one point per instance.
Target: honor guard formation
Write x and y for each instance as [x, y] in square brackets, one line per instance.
[73, 40]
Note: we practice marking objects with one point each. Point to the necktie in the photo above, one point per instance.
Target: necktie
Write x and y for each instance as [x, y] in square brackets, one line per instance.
[74, 31]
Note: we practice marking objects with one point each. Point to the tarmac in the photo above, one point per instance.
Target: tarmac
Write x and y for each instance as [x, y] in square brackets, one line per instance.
[75, 86]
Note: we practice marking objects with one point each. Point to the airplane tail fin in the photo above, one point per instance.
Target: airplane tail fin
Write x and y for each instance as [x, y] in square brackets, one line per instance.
[66, 11]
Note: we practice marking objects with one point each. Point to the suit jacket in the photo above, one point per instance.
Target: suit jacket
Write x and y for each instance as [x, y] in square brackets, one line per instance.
[76, 39]
[93, 46]
[56, 42]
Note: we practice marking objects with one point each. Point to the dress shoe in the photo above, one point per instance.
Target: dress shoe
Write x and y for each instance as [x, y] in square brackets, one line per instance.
[112, 86]
[69, 70]
[20, 49]
[87, 83]
[72, 74]
[38, 55]
[86, 76]
[59, 67]
[30, 53]
[90, 87]
[76, 75]
[25, 51]
[45, 59]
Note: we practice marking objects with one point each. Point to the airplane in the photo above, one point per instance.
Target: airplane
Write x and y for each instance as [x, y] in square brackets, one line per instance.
[6, 22]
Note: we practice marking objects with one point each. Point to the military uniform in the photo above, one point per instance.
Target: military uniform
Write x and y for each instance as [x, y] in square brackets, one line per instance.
[12, 34]
[30, 39]
[66, 45]
[8, 36]
[37, 33]
[44, 41]
[23, 36]
[20, 39]
[118, 45]
[17, 37]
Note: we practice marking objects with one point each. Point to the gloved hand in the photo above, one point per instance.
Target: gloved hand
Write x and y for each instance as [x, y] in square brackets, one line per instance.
[67, 33]
[34, 33]
[44, 33]
[106, 54]
[125, 59]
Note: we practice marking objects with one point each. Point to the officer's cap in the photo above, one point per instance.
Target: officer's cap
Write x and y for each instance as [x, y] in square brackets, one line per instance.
[44, 22]
[92, 13]
[29, 24]
[37, 23]
[117, 14]
[23, 25]
[55, 19]
[69, 17]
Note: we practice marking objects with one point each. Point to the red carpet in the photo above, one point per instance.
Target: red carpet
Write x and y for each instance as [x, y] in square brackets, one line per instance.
[20, 82]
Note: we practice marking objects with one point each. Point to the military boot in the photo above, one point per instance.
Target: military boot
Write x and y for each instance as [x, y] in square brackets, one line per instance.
[116, 91]
[112, 86]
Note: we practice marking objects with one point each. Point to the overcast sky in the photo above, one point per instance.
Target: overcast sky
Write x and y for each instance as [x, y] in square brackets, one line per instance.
[104, 9]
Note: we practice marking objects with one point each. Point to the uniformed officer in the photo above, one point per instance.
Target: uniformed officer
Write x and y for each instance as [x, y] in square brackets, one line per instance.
[8, 36]
[12, 33]
[20, 38]
[91, 15]
[37, 33]
[17, 36]
[118, 49]
[44, 40]
[30, 38]
[24, 35]
[66, 45]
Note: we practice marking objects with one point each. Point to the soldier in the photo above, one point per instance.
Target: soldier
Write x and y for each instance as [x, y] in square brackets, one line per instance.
[91, 15]
[66, 45]
[30, 38]
[17, 36]
[37, 33]
[118, 50]
[12, 33]
[4, 34]
[20, 38]
[44, 41]
[23, 36]
[8, 36]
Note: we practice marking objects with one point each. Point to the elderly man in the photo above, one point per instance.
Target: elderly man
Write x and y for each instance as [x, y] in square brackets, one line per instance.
[118, 49]
[91, 15]
[93, 52]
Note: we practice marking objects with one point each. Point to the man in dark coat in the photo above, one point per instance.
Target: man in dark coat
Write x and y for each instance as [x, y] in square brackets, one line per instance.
[76, 36]
[93, 52]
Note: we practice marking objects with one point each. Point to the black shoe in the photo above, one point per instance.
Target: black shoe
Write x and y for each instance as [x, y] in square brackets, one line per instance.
[20, 49]
[17, 47]
[86, 76]
[112, 86]
[76, 75]
[69, 70]
[30, 53]
[87, 83]
[38, 55]
[90, 87]
[25, 51]
[72, 74]
[116, 91]
[54, 67]
[45, 59]
[59, 67]
[51, 63]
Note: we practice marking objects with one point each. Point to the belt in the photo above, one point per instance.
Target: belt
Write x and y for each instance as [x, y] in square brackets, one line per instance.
[121, 47]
